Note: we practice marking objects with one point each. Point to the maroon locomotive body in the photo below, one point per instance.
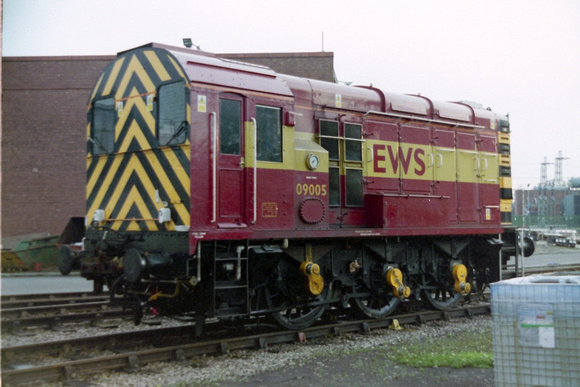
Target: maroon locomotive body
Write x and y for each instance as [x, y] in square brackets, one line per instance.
[229, 190]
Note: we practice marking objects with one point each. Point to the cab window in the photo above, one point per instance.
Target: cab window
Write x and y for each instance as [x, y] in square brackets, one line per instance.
[172, 121]
[103, 136]
[230, 126]
[269, 133]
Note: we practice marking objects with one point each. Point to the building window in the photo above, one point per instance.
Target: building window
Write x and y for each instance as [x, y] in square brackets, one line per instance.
[103, 139]
[172, 120]
[230, 126]
[269, 133]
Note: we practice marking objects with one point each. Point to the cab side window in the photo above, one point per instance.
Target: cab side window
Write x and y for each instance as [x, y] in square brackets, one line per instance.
[230, 126]
[103, 136]
[269, 133]
[172, 121]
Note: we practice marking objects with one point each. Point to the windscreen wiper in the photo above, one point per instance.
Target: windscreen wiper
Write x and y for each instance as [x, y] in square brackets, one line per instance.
[179, 130]
[98, 143]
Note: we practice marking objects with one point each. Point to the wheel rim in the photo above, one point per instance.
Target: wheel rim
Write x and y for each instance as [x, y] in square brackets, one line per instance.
[440, 296]
[375, 306]
[295, 317]
[299, 318]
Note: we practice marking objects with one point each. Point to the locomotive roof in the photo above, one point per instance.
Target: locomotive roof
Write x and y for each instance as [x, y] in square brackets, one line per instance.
[206, 68]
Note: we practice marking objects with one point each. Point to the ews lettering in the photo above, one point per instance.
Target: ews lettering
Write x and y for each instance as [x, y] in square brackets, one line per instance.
[398, 156]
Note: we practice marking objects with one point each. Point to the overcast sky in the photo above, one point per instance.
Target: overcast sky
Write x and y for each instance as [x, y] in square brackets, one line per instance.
[516, 57]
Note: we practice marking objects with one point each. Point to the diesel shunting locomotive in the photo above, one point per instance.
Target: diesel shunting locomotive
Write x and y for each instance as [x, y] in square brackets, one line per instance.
[228, 190]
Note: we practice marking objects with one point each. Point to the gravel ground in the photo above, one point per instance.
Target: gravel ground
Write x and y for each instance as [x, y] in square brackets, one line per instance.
[346, 360]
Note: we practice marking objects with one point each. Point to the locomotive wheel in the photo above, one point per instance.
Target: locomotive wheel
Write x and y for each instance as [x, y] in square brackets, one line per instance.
[375, 306]
[439, 296]
[295, 318]
[288, 299]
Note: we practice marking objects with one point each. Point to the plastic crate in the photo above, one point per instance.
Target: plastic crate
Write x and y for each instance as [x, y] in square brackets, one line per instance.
[536, 330]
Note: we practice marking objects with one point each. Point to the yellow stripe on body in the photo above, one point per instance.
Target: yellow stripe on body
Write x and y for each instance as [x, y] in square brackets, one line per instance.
[135, 67]
[157, 66]
[505, 160]
[505, 205]
[133, 166]
[444, 163]
[96, 173]
[113, 76]
[413, 161]
[391, 160]
[182, 175]
[503, 138]
[489, 168]
[505, 182]
[134, 132]
[88, 131]
[145, 114]
[287, 149]
[134, 197]
[105, 186]
[177, 66]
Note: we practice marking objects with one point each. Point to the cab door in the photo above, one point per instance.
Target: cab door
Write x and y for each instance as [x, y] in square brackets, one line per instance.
[230, 161]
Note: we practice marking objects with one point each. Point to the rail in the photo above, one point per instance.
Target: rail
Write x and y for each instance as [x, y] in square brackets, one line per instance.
[133, 360]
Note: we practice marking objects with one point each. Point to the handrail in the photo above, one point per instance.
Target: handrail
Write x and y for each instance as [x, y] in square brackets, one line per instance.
[213, 130]
[255, 215]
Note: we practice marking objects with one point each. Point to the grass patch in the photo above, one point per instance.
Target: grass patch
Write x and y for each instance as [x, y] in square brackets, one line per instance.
[465, 349]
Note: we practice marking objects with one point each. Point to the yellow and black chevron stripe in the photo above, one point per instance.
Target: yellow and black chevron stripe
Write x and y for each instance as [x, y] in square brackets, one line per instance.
[505, 172]
[140, 176]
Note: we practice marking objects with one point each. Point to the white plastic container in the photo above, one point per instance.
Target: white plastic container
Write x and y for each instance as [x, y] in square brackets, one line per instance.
[536, 330]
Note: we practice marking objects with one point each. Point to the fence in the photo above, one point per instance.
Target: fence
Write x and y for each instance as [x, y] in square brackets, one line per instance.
[541, 221]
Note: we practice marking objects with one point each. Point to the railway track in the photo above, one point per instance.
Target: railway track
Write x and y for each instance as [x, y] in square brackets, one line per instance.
[20, 312]
[153, 345]
[556, 269]
[31, 300]
[15, 374]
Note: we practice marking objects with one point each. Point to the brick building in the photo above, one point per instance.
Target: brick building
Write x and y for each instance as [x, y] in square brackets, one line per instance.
[44, 139]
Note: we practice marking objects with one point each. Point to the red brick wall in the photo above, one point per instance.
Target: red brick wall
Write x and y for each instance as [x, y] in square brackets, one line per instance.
[43, 153]
[315, 65]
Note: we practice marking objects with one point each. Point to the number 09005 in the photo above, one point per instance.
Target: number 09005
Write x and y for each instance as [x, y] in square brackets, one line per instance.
[311, 189]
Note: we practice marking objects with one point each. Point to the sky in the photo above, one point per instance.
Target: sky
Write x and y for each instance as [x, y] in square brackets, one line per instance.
[520, 57]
